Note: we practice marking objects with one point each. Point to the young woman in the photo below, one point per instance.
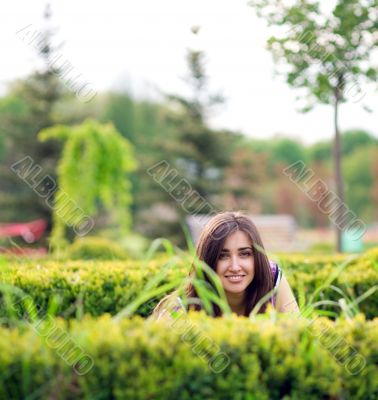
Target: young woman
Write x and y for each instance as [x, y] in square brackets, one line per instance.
[231, 245]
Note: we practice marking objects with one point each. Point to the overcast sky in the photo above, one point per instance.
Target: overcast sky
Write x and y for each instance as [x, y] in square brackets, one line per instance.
[140, 44]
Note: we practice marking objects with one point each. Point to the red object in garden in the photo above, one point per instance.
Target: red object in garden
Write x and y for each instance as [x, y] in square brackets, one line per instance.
[24, 251]
[30, 231]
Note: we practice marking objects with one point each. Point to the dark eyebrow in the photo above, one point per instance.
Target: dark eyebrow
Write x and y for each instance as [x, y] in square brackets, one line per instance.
[240, 248]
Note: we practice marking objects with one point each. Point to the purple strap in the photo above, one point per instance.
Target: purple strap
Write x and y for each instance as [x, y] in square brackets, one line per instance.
[274, 269]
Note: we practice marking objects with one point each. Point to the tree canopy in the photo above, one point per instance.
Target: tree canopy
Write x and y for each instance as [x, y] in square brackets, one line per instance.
[326, 54]
[92, 173]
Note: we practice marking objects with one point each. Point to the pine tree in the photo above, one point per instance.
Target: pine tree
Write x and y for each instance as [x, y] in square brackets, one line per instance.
[201, 152]
[24, 111]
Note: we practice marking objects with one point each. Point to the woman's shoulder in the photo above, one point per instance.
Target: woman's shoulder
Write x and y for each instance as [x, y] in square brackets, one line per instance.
[276, 272]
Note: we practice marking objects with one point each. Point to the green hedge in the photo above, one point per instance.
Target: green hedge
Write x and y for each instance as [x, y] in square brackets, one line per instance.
[191, 358]
[360, 275]
[93, 287]
[95, 248]
[98, 287]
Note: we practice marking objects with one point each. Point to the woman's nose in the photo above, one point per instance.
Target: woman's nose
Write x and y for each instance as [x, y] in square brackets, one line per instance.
[234, 264]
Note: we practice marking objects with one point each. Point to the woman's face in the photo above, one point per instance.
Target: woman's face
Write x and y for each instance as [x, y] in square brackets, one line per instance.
[236, 266]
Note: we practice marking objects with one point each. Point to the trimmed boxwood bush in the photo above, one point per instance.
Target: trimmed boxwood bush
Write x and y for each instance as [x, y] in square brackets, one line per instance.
[95, 248]
[360, 275]
[92, 287]
[141, 359]
[98, 287]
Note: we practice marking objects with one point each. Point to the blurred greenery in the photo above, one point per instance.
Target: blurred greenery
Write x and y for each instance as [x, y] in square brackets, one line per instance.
[227, 168]
[326, 54]
[99, 160]
[93, 175]
[95, 248]
[251, 180]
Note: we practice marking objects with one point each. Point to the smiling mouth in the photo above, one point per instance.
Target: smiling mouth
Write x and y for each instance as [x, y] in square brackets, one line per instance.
[235, 278]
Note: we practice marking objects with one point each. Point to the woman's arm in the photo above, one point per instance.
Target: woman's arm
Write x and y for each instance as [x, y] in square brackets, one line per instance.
[285, 301]
[169, 304]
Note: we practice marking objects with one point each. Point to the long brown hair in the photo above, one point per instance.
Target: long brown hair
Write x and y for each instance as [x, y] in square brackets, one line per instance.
[209, 246]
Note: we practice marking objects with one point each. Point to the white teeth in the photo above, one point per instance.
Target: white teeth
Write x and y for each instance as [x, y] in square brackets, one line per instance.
[235, 277]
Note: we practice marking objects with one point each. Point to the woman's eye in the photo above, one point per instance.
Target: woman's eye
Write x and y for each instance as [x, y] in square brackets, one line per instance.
[246, 254]
[223, 256]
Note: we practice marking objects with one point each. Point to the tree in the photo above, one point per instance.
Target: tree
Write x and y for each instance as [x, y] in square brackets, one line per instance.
[26, 109]
[244, 178]
[320, 152]
[328, 55]
[287, 151]
[374, 189]
[92, 177]
[201, 152]
[354, 139]
[359, 177]
[145, 124]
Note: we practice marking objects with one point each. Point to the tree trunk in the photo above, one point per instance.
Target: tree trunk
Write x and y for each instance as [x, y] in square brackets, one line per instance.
[337, 166]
